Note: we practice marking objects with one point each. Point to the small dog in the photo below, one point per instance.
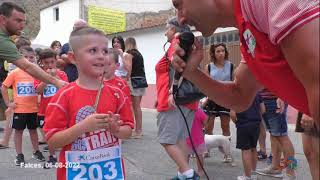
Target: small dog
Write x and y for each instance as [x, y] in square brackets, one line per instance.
[221, 142]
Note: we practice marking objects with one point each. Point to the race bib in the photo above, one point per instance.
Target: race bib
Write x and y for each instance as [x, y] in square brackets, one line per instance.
[104, 163]
[25, 89]
[50, 90]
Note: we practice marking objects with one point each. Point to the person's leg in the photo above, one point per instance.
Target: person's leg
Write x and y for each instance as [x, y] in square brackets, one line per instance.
[276, 152]
[8, 129]
[311, 151]
[172, 136]
[178, 156]
[288, 150]
[199, 163]
[136, 100]
[210, 124]
[262, 139]
[247, 162]
[42, 136]
[254, 159]
[225, 124]
[18, 140]
[34, 139]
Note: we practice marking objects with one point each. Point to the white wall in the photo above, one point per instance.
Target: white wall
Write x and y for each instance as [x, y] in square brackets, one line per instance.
[50, 29]
[150, 43]
[135, 6]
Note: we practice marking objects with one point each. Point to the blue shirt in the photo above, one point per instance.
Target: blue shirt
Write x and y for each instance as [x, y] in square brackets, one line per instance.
[251, 116]
[221, 74]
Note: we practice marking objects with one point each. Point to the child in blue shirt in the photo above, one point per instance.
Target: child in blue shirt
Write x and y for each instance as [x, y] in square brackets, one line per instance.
[248, 129]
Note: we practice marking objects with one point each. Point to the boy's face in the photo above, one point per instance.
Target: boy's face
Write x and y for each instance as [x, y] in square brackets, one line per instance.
[31, 56]
[111, 67]
[49, 63]
[91, 56]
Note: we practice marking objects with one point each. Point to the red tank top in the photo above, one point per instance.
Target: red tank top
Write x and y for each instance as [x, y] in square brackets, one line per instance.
[267, 63]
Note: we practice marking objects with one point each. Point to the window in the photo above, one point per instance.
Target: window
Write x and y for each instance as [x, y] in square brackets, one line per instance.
[212, 40]
[230, 37]
[218, 39]
[224, 38]
[56, 14]
[236, 37]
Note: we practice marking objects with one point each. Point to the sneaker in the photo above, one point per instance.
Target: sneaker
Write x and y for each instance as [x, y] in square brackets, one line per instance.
[269, 171]
[38, 156]
[289, 177]
[50, 163]
[194, 177]
[244, 178]
[42, 142]
[3, 146]
[254, 175]
[261, 155]
[46, 149]
[19, 160]
[227, 159]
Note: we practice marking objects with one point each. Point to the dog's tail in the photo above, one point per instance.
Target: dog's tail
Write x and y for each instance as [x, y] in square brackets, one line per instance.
[229, 137]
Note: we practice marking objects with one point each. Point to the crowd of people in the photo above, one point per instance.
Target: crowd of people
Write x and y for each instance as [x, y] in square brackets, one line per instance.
[41, 90]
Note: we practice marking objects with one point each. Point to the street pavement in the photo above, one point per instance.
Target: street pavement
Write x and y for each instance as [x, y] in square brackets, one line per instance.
[145, 159]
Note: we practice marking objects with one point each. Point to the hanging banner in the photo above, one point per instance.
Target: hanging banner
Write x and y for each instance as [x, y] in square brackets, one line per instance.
[108, 20]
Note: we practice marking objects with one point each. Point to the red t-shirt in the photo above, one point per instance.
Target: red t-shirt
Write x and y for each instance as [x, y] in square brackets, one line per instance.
[121, 84]
[265, 59]
[49, 91]
[73, 104]
[162, 81]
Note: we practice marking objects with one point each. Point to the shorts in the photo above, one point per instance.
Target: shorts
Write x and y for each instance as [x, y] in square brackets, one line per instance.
[311, 132]
[247, 137]
[213, 109]
[40, 121]
[138, 91]
[22, 120]
[172, 126]
[276, 123]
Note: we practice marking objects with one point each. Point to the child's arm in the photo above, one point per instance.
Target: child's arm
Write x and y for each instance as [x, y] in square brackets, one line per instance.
[89, 124]
[233, 116]
[5, 96]
[40, 87]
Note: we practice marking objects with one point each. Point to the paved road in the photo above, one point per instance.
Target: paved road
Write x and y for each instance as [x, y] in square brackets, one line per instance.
[145, 159]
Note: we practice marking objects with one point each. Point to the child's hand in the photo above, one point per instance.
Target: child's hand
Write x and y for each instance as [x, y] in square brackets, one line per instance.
[52, 72]
[114, 123]
[94, 122]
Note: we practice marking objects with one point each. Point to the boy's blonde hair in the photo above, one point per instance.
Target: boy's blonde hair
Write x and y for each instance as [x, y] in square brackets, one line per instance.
[77, 35]
[114, 53]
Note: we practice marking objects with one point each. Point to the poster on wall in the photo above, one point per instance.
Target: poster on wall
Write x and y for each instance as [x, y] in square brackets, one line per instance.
[108, 20]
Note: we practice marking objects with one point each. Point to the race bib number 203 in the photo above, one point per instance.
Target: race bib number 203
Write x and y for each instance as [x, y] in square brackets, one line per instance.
[97, 164]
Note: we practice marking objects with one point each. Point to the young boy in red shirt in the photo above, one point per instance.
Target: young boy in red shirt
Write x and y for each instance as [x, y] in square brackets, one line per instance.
[86, 120]
[109, 75]
[48, 60]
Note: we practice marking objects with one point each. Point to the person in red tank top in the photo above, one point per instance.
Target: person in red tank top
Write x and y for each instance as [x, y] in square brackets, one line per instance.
[279, 44]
